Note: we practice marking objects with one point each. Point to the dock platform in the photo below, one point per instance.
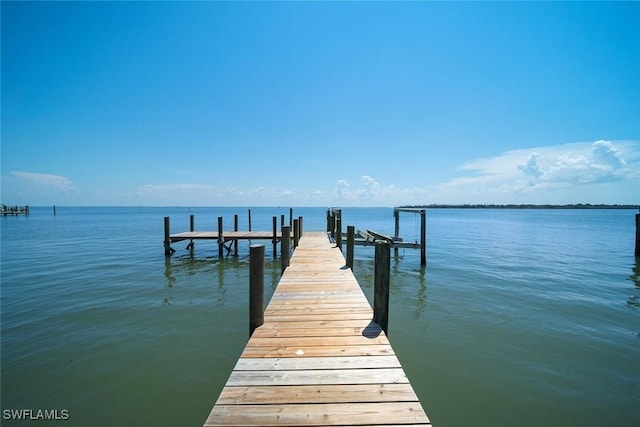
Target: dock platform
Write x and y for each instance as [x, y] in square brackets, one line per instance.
[318, 359]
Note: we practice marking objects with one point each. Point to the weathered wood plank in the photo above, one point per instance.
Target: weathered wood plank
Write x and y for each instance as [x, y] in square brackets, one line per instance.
[349, 393]
[339, 341]
[318, 376]
[287, 364]
[324, 351]
[318, 414]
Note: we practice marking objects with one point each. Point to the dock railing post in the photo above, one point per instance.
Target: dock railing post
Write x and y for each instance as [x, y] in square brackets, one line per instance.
[249, 215]
[290, 217]
[285, 246]
[328, 220]
[220, 238]
[296, 233]
[275, 237]
[381, 284]
[637, 251]
[332, 224]
[256, 287]
[168, 250]
[300, 228]
[339, 233]
[351, 233]
[423, 237]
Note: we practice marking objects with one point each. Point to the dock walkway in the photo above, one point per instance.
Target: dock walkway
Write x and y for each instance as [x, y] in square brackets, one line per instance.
[318, 359]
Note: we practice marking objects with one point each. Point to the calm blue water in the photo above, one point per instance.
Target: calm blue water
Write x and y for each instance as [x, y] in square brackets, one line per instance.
[522, 317]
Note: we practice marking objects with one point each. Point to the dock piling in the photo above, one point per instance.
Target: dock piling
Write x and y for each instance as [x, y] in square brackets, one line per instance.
[296, 233]
[285, 247]
[192, 228]
[275, 237]
[256, 287]
[339, 232]
[168, 250]
[381, 284]
[220, 238]
[351, 232]
[235, 228]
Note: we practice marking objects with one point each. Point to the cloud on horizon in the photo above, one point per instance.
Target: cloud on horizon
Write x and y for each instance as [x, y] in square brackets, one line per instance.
[46, 184]
[532, 172]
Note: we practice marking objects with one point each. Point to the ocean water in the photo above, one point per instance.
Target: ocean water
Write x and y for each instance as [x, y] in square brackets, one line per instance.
[521, 317]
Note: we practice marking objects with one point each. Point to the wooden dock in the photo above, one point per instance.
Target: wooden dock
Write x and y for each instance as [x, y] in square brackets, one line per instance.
[318, 359]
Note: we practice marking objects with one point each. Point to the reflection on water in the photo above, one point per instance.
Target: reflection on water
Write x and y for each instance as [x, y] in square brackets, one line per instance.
[633, 301]
[635, 275]
[229, 274]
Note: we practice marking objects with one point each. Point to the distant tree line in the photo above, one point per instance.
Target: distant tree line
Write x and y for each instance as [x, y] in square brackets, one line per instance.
[524, 206]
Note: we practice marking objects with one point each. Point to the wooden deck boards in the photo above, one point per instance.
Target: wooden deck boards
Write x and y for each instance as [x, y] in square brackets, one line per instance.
[318, 359]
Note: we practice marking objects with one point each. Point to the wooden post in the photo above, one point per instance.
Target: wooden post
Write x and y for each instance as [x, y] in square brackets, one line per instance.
[220, 238]
[381, 284]
[637, 252]
[300, 229]
[290, 217]
[396, 234]
[423, 238]
[192, 228]
[285, 246]
[249, 214]
[168, 250]
[235, 228]
[328, 220]
[275, 237]
[54, 210]
[256, 287]
[339, 233]
[296, 235]
[281, 221]
[351, 233]
[333, 224]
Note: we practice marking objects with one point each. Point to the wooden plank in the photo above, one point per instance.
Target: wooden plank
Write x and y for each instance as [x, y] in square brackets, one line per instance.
[318, 376]
[311, 324]
[313, 332]
[318, 414]
[324, 351]
[340, 341]
[278, 364]
[349, 393]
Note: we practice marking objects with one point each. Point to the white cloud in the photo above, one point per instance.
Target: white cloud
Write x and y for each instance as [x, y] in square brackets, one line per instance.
[372, 193]
[44, 183]
[538, 171]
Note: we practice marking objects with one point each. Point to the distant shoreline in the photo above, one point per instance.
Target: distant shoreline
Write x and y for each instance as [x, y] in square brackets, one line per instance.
[523, 206]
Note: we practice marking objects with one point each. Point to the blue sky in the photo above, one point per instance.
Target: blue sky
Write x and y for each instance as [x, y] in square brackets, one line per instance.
[320, 104]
